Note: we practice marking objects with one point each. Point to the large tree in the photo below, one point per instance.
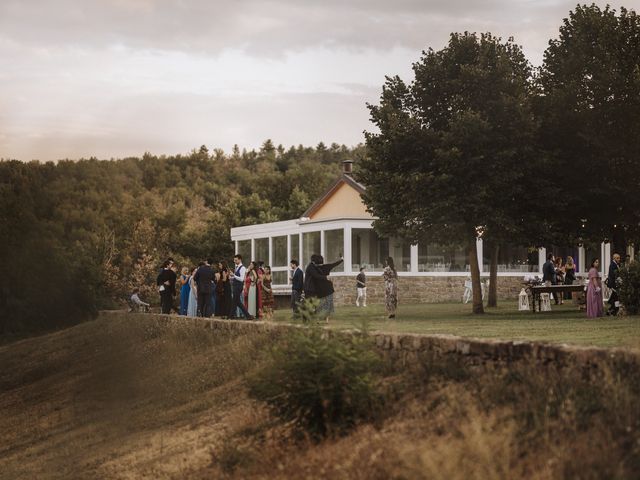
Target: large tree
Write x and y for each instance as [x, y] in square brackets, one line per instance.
[452, 153]
[589, 111]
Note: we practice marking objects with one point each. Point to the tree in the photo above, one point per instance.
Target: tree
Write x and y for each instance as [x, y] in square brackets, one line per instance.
[589, 111]
[448, 160]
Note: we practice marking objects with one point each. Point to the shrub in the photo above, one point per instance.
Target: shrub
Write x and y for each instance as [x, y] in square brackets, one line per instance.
[629, 288]
[321, 383]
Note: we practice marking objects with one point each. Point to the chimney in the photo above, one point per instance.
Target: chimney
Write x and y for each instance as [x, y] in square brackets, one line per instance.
[347, 167]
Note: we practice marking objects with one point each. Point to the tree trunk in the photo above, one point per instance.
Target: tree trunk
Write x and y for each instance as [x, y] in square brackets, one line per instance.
[475, 277]
[493, 277]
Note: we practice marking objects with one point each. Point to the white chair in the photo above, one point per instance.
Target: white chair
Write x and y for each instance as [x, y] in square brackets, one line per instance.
[546, 302]
[523, 300]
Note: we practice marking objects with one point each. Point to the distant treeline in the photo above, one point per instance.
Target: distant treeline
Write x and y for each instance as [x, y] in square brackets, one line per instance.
[76, 235]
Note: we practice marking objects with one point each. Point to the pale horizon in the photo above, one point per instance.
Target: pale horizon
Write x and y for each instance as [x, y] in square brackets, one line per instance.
[118, 78]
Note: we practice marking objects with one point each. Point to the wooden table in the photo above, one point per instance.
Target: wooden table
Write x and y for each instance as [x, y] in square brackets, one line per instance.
[559, 289]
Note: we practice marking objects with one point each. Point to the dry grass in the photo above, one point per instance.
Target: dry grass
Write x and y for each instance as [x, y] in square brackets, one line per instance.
[120, 399]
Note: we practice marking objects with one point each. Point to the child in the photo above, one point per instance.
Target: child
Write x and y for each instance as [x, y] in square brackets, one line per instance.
[361, 289]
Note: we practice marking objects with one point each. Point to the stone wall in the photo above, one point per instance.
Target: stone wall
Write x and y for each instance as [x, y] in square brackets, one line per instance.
[419, 289]
[408, 349]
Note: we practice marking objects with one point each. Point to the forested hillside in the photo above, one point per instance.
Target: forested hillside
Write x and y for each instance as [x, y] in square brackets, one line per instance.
[77, 235]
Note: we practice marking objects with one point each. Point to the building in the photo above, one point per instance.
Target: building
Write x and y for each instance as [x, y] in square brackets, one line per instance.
[338, 223]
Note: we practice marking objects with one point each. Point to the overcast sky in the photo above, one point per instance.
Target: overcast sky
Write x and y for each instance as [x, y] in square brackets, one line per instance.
[113, 78]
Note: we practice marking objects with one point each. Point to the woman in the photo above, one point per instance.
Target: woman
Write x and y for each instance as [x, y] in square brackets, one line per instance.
[595, 307]
[223, 290]
[192, 308]
[318, 285]
[390, 277]
[251, 290]
[268, 302]
[569, 276]
[185, 290]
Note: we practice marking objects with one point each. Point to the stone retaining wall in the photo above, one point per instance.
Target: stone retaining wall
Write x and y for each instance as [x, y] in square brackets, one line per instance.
[411, 348]
[419, 289]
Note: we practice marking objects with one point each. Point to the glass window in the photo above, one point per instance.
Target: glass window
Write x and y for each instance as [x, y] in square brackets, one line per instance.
[333, 246]
[368, 250]
[279, 245]
[591, 252]
[400, 251]
[433, 257]
[262, 250]
[310, 246]
[295, 248]
[244, 249]
[511, 258]
[279, 278]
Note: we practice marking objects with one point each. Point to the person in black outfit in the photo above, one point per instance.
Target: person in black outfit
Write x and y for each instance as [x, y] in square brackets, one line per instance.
[237, 279]
[612, 277]
[297, 284]
[317, 284]
[166, 282]
[549, 273]
[204, 280]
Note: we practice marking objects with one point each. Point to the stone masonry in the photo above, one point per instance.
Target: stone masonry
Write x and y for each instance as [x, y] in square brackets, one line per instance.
[419, 289]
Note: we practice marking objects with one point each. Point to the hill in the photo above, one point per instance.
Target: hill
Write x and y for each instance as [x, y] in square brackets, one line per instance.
[124, 398]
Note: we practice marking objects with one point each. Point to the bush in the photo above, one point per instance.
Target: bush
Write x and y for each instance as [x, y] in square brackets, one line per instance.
[323, 384]
[629, 289]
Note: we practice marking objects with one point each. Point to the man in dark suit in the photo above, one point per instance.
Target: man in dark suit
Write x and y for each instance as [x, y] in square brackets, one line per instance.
[549, 273]
[612, 277]
[204, 280]
[166, 282]
[297, 284]
[237, 284]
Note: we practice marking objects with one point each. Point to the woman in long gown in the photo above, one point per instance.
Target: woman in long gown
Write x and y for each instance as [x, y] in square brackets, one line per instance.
[251, 289]
[192, 309]
[222, 281]
[569, 276]
[390, 287]
[268, 302]
[595, 307]
[184, 291]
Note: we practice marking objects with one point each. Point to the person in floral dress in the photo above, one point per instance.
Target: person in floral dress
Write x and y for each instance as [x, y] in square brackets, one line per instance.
[390, 277]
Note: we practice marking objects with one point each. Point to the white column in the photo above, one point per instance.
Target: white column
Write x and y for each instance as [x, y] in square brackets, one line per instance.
[270, 259]
[479, 248]
[414, 258]
[235, 247]
[253, 252]
[346, 249]
[582, 260]
[322, 243]
[605, 256]
[542, 258]
[300, 252]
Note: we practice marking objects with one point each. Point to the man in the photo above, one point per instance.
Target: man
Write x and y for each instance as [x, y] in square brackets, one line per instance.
[136, 303]
[549, 273]
[166, 282]
[297, 284]
[612, 277]
[361, 289]
[204, 279]
[237, 284]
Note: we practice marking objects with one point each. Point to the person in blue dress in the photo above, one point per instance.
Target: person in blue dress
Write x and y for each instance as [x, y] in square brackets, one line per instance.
[184, 290]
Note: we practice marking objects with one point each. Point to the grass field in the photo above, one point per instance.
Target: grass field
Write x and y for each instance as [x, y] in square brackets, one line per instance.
[565, 324]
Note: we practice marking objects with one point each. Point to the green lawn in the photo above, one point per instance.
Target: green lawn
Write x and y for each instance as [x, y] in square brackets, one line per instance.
[565, 324]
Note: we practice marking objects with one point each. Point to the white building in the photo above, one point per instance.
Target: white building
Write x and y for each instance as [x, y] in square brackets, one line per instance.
[338, 223]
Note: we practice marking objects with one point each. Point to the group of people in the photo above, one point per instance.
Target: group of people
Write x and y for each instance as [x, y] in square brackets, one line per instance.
[555, 272]
[215, 289]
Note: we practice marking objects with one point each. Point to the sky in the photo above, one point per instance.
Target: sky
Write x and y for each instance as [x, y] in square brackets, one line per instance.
[117, 78]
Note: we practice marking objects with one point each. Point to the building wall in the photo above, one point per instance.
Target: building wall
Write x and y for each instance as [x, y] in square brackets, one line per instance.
[419, 289]
[345, 202]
